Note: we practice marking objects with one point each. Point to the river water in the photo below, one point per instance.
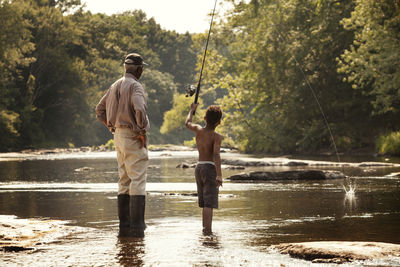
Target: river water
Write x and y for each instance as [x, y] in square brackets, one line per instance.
[252, 216]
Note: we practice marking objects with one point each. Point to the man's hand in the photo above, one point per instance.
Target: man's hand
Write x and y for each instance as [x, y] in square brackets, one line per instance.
[219, 181]
[143, 139]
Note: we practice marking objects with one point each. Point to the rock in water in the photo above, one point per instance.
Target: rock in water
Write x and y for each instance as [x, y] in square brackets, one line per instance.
[185, 165]
[287, 175]
[84, 169]
[394, 174]
[26, 234]
[339, 251]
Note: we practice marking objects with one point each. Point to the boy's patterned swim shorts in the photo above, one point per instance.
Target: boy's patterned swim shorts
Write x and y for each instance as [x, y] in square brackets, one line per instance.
[207, 189]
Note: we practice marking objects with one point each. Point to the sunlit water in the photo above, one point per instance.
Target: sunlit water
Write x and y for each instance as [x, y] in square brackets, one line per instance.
[252, 216]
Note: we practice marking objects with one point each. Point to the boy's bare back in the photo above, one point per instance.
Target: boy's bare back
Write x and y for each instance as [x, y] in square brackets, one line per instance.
[208, 142]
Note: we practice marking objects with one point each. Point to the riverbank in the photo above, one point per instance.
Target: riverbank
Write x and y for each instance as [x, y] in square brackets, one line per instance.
[29, 234]
[231, 159]
[81, 151]
[171, 147]
[44, 151]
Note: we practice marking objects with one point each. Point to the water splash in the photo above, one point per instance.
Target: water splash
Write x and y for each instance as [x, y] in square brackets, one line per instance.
[350, 191]
[350, 199]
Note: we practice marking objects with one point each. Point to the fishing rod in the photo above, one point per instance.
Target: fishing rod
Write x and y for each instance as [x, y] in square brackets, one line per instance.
[191, 89]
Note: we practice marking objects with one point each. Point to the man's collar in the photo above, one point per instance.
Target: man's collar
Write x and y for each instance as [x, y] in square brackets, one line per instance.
[130, 75]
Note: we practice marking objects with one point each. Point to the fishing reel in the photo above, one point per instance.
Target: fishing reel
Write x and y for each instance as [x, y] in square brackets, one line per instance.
[190, 90]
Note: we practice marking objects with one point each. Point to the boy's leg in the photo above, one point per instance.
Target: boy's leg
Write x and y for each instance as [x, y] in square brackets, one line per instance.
[207, 220]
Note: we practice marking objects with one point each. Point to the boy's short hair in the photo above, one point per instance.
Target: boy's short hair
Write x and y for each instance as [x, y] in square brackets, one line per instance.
[213, 114]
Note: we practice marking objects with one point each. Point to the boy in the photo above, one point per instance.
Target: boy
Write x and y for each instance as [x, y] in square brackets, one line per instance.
[208, 169]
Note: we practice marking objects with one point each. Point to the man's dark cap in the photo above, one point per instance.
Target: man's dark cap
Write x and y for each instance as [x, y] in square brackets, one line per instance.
[134, 59]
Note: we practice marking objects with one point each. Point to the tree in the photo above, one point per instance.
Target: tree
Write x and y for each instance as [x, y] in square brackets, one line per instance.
[56, 61]
[371, 63]
[15, 48]
[278, 55]
[160, 88]
[174, 119]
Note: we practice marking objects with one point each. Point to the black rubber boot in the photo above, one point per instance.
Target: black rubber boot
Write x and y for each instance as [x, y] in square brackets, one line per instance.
[137, 207]
[123, 214]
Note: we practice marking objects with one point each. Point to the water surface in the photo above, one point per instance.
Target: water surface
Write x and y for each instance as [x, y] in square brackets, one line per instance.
[252, 216]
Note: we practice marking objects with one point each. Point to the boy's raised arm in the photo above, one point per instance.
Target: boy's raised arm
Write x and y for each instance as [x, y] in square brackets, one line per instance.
[191, 126]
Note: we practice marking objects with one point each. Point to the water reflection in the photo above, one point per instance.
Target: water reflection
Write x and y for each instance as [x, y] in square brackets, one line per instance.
[251, 217]
[210, 241]
[131, 251]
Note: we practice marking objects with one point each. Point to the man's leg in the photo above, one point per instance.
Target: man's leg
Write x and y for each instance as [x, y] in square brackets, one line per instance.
[137, 210]
[136, 166]
[123, 189]
[123, 214]
[207, 220]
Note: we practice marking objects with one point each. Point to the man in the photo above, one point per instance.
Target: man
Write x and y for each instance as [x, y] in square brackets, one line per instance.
[123, 109]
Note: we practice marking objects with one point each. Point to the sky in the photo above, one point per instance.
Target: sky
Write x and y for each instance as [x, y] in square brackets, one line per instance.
[178, 15]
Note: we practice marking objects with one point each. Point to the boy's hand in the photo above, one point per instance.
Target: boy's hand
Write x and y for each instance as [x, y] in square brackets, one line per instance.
[193, 106]
[219, 181]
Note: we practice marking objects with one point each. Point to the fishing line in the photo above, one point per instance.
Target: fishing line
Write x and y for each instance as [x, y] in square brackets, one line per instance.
[314, 95]
[351, 188]
[190, 89]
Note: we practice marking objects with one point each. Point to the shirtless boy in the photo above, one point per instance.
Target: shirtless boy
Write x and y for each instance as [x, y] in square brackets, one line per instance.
[208, 169]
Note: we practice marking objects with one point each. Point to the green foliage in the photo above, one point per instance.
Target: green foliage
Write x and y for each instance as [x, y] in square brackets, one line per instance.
[160, 88]
[371, 62]
[9, 122]
[15, 49]
[110, 144]
[228, 142]
[263, 51]
[56, 61]
[190, 143]
[389, 144]
[274, 68]
[174, 119]
[268, 62]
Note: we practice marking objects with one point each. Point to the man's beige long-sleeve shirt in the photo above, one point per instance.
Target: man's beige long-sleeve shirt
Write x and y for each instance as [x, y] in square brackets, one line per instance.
[124, 105]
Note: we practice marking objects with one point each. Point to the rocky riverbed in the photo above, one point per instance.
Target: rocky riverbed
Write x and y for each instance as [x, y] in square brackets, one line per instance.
[18, 234]
[340, 251]
[287, 175]
[286, 162]
[313, 170]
